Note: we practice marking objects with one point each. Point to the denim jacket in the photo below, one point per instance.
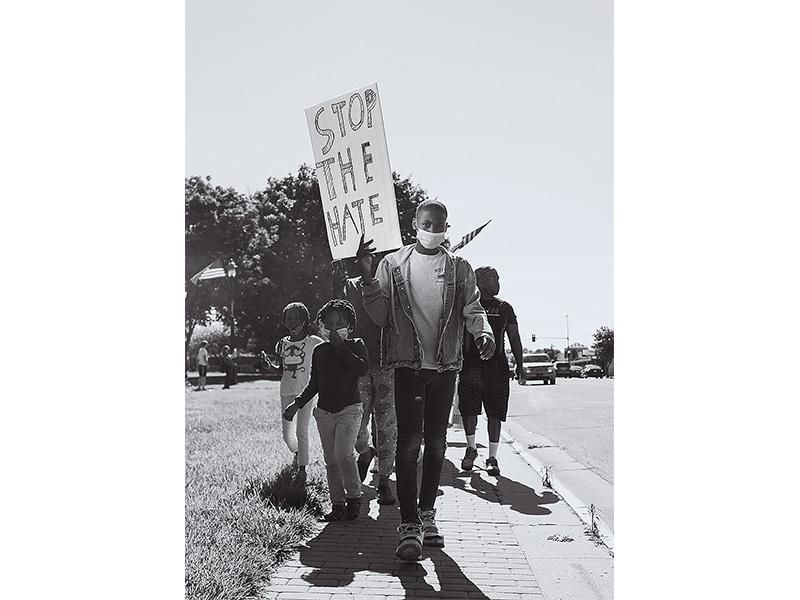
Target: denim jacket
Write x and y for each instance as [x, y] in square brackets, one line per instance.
[387, 303]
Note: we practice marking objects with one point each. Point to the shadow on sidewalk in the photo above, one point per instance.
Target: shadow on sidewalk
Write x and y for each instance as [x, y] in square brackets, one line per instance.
[367, 545]
[506, 492]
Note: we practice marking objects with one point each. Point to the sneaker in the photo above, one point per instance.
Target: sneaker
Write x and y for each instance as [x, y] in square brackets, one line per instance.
[336, 514]
[364, 459]
[469, 458]
[430, 532]
[409, 548]
[353, 508]
[385, 495]
[491, 467]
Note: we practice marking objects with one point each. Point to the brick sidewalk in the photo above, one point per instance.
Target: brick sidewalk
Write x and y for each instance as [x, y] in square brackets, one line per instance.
[487, 523]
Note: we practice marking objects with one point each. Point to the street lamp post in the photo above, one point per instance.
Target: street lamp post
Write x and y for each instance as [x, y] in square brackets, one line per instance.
[230, 277]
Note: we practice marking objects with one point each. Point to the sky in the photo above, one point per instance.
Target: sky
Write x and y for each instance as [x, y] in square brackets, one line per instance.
[501, 110]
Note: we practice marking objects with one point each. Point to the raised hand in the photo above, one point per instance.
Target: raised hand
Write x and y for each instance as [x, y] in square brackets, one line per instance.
[339, 279]
[364, 258]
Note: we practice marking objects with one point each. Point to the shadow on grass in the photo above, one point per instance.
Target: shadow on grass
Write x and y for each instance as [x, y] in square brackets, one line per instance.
[291, 488]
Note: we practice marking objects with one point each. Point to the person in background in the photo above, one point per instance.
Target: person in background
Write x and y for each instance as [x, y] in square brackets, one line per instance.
[486, 382]
[202, 366]
[234, 359]
[336, 367]
[227, 366]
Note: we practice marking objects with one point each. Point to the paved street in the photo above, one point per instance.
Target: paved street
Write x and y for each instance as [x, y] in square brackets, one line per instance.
[575, 414]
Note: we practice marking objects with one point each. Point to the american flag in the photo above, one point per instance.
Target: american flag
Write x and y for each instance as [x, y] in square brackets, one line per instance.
[212, 271]
[469, 237]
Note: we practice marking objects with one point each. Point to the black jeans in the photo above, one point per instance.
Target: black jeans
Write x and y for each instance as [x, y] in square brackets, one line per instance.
[422, 402]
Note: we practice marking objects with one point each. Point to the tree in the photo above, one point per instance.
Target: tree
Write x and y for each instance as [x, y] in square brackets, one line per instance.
[220, 223]
[604, 346]
[551, 352]
[282, 252]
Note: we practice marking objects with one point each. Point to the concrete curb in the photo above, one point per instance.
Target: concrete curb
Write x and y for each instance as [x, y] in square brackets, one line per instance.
[578, 506]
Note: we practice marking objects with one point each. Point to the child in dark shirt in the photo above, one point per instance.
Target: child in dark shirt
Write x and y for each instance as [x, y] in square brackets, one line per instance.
[336, 367]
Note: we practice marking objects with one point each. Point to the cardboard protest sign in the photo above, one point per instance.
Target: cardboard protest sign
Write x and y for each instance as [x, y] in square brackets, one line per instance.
[355, 179]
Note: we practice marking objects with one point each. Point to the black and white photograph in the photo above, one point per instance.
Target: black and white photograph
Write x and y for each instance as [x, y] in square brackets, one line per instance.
[399, 300]
[468, 299]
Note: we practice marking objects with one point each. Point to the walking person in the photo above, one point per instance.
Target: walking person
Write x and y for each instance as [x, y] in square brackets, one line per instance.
[423, 297]
[485, 383]
[377, 394]
[202, 366]
[336, 366]
[294, 357]
[227, 366]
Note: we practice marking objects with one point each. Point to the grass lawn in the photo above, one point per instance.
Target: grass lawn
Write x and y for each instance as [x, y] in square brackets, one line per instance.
[246, 509]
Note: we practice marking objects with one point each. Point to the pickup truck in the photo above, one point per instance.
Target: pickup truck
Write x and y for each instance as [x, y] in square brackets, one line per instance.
[538, 366]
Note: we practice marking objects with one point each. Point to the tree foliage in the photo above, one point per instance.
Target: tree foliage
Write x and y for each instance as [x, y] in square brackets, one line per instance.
[603, 346]
[277, 238]
[551, 352]
[220, 223]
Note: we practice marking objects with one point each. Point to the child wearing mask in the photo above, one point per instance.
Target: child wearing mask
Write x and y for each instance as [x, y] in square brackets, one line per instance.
[425, 298]
[336, 366]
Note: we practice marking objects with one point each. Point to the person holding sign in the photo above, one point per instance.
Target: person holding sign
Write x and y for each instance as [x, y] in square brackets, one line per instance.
[423, 297]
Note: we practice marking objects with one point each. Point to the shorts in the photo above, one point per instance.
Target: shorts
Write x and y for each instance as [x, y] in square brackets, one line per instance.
[202, 370]
[485, 384]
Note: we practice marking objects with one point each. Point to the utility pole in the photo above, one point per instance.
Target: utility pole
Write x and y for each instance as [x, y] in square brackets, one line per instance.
[567, 349]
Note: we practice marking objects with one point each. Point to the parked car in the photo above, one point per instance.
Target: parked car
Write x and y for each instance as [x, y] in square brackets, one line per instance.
[538, 366]
[575, 370]
[591, 371]
[562, 368]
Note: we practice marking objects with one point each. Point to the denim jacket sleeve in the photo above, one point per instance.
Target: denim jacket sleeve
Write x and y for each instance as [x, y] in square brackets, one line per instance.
[474, 316]
[376, 295]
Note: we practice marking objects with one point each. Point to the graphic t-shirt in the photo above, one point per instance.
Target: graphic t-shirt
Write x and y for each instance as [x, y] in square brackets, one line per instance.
[202, 357]
[295, 359]
[500, 314]
[426, 292]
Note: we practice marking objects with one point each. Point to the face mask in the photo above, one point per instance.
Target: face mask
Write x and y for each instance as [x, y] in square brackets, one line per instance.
[326, 333]
[430, 240]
